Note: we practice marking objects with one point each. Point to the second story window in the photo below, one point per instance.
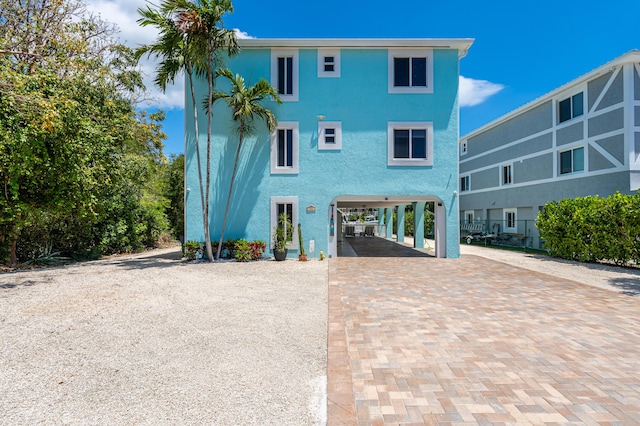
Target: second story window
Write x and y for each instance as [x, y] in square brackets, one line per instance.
[571, 107]
[572, 161]
[410, 71]
[329, 135]
[284, 73]
[506, 175]
[284, 149]
[463, 148]
[410, 144]
[464, 184]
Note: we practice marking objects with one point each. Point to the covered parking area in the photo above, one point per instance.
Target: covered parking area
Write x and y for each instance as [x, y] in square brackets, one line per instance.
[376, 238]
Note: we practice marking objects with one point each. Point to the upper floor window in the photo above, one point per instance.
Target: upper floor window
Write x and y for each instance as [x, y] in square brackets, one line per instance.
[463, 148]
[506, 175]
[329, 135]
[328, 63]
[284, 148]
[410, 144]
[572, 161]
[284, 73]
[571, 107]
[410, 71]
[464, 183]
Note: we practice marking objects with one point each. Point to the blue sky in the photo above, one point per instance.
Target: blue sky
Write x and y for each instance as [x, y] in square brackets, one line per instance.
[522, 50]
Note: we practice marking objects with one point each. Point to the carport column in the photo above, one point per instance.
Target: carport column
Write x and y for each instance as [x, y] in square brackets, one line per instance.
[418, 224]
[389, 222]
[400, 233]
[380, 222]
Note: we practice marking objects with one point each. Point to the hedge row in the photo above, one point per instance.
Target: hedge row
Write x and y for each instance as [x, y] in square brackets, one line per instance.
[593, 229]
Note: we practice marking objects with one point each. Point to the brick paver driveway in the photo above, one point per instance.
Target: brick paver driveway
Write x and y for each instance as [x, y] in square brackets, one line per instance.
[433, 341]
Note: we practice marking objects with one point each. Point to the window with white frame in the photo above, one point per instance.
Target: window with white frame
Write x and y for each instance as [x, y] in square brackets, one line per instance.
[510, 224]
[571, 160]
[464, 183]
[468, 216]
[463, 148]
[288, 206]
[329, 135]
[328, 62]
[507, 176]
[410, 71]
[284, 148]
[571, 107]
[410, 144]
[284, 73]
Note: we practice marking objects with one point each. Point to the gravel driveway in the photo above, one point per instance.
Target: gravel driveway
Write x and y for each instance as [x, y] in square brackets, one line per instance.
[147, 339]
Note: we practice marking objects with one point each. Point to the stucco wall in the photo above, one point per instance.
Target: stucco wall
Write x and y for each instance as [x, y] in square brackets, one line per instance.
[359, 99]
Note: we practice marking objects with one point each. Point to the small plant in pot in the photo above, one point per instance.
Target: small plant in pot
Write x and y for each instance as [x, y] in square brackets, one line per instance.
[302, 257]
[282, 235]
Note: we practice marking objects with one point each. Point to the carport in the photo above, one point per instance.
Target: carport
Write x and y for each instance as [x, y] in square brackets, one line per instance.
[356, 244]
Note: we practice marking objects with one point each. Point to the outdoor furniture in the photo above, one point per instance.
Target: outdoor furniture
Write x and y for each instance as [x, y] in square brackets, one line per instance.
[368, 231]
[349, 231]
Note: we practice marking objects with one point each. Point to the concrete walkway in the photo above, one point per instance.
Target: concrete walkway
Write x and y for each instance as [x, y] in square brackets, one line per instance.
[473, 341]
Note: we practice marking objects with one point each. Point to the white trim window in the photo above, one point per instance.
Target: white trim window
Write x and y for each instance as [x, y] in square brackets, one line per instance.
[410, 71]
[288, 205]
[284, 148]
[571, 161]
[329, 135]
[571, 107]
[284, 73]
[506, 174]
[468, 216]
[463, 148]
[410, 144]
[510, 220]
[329, 63]
[465, 183]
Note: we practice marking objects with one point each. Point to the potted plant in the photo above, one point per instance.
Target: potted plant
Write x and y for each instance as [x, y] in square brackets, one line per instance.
[282, 236]
[302, 257]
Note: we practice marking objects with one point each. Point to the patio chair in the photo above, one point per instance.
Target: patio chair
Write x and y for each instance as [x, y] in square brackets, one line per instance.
[368, 231]
[349, 231]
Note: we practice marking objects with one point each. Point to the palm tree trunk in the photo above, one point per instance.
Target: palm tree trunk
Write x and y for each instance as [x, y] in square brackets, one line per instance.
[209, 120]
[233, 178]
[205, 209]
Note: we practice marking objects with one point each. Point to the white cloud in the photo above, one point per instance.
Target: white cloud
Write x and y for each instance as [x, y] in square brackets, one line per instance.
[241, 34]
[474, 92]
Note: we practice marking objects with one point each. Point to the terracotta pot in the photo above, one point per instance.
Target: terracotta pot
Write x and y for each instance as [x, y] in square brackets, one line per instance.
[302, 257]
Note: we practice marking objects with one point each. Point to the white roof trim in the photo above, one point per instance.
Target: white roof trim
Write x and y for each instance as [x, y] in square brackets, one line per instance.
[461, 44]
[631, 56]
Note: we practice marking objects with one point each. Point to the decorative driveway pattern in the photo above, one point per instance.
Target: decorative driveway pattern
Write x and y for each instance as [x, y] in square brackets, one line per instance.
[472, 341]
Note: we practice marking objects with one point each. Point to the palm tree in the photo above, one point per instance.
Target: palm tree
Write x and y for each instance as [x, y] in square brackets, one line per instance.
[192, 40]
[245, 104]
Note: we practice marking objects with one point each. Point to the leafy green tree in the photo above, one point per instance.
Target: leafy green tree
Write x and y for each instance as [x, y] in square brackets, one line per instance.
[192, 39]
[71, 142]
[175, 194]
[246, 105]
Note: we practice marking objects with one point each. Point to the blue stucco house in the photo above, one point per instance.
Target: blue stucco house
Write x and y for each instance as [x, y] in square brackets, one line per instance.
[363, 122]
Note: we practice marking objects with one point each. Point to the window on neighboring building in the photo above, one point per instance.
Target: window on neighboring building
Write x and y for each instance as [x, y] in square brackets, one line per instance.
[571, 107]
[463, 148]
[410, 71]
[510, 224]
[464, 183]
[328, 63]
[289, 206]
[410, 144]
[284, 149]
[329, 135]
[284, 73]
[468, 214]
[572, 161]
[506, 174]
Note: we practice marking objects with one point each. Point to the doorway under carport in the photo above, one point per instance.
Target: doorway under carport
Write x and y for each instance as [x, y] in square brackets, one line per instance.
[383, 237]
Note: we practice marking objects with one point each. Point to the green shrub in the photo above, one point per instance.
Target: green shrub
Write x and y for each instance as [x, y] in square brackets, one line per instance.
[592, 229]
[191, 250]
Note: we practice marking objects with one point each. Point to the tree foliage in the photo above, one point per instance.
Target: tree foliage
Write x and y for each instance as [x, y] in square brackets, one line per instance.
[593, 229]
[75, 156]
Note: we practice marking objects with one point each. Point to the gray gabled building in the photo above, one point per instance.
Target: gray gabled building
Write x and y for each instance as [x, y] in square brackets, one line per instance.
[580, 139]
